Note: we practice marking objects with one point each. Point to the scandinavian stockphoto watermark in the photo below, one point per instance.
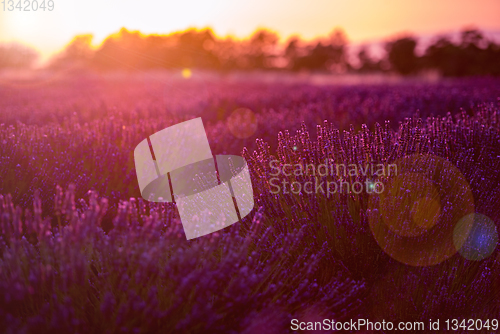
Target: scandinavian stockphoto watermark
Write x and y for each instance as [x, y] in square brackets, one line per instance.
[176, 165]
[317, 178]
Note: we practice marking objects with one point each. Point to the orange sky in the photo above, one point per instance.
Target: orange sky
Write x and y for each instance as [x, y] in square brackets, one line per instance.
[363, 20]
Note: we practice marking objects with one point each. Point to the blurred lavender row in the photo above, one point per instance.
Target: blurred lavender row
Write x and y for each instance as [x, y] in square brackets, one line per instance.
[80, 251]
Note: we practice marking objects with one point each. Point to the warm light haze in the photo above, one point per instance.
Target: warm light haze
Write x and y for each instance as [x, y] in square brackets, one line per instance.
[363, 20]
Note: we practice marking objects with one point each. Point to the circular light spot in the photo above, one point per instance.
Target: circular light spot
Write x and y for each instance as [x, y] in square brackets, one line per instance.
[242, 123]
[480, 241]
[186, 73]
[425, 212]
[409, 204]
[414, 217]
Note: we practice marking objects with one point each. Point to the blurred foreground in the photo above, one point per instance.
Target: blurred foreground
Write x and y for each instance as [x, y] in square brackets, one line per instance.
[80, 251]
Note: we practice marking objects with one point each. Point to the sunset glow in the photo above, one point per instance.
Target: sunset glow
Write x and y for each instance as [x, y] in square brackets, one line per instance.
[362, 19]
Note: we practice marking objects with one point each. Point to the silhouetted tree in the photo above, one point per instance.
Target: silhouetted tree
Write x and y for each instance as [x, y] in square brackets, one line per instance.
[324, 56]
[261, 49]
[492, 59]
[132, 50]
[473, 55]
[77, 53]
[292, 51]
[401, 55]
[193, 48]
[443, 55]
[17, 56]
[122, 51]
[315, 60]
[367, 63]
[229, 53]
[338, 43]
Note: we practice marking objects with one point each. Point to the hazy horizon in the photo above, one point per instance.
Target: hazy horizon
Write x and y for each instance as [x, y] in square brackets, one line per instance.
[363, 21]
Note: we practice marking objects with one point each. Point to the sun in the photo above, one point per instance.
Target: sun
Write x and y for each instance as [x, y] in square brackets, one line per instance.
[186, 73]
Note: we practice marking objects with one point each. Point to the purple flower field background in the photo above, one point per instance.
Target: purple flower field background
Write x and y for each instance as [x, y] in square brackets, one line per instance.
[82, 252]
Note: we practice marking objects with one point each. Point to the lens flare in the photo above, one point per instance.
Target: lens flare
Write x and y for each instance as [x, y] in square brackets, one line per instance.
[242, 123]
[482, 238]
[420, 200]
[414, 218]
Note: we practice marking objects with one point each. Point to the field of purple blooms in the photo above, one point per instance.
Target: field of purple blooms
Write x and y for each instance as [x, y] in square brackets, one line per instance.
[82, 252]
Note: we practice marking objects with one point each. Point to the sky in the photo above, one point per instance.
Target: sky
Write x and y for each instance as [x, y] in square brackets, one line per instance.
[362, 20]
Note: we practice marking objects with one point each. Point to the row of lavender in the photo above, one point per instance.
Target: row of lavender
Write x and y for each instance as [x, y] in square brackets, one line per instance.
[83, 130]
[73, 261]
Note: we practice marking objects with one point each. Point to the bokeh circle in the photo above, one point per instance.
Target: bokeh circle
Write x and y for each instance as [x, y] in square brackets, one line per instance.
[413, 220]
[482, 238]
[242, 123]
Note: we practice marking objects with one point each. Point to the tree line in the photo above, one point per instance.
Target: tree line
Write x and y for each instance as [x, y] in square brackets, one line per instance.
[473, 54]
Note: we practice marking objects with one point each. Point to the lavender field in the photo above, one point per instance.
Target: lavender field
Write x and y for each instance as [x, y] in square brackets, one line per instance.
[82, 252]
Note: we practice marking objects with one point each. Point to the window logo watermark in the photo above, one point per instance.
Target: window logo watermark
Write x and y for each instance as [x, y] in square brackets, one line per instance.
[176, 165]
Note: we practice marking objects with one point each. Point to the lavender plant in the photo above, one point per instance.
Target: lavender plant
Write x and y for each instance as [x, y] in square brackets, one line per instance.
[80, 251]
